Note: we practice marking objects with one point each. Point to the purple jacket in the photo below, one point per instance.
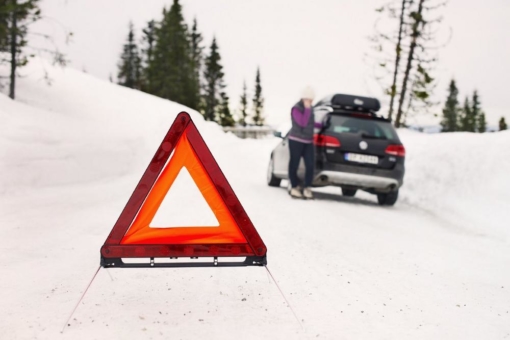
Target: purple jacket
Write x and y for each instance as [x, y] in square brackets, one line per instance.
[301, 117]
[303, 123]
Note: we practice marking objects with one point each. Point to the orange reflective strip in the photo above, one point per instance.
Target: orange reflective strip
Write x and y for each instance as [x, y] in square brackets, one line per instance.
[140, 231]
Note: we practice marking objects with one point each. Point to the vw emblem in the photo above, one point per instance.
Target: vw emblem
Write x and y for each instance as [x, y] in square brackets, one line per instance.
[363, 145]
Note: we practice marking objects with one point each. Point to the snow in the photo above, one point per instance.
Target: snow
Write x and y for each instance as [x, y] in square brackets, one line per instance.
[184, 206]
[434, 266]
[462, 177]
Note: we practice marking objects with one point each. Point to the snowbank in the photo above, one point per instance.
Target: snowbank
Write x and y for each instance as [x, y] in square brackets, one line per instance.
[463, 177]
[79, 129]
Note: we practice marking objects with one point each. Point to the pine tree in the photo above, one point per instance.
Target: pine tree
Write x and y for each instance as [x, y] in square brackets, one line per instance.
[15, 17]
[388, 47]
[4, 31]
[482, 123]
[258, 102]
[450, 110]
[147, 51]
[465, 118]
[405, 55]
[398, 55]
[148, 38]
[130, 65]
[476, 111]
[196, 66]
[244, 106]
[4, 24]
[416, 28]
[169, 71]
[502, 124]
[214, 85]
[225, 117]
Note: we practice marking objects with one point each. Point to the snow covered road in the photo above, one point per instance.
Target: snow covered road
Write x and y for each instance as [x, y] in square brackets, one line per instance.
[434, 266]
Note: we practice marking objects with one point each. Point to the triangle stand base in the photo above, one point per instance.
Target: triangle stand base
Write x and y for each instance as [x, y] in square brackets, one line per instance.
[119, 263]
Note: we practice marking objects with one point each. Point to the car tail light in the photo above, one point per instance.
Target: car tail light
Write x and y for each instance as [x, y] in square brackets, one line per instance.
[396, 150]
[323, 140]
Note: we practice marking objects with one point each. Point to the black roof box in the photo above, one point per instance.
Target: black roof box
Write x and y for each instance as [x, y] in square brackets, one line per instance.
[355, 103]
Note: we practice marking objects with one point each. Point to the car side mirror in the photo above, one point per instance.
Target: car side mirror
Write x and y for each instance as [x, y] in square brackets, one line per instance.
[277, 134]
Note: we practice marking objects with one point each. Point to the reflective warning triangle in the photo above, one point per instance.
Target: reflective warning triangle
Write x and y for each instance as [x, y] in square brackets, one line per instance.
[132, 235]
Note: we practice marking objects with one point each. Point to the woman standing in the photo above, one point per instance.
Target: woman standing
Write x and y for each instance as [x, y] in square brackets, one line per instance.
[301, 144]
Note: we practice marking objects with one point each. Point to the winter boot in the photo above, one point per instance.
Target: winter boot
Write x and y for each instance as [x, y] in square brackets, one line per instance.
[298, 187]
[307, 193]
[296, 193]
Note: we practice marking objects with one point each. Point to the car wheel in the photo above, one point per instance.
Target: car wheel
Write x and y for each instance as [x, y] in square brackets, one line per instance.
[349, 192]
[272, 181]
[388, 198]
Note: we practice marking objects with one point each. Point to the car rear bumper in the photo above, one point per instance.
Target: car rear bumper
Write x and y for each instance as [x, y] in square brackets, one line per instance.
[368, 178]
[356, 180]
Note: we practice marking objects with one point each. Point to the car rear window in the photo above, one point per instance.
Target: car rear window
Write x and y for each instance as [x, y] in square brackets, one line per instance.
[368, 127]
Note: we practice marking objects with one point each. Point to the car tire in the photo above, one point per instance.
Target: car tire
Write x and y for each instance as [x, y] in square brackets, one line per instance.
[349, 192]
[389, 198]
[272, 181]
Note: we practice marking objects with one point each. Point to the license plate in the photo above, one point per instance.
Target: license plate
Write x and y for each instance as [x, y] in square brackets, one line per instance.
[356, 157]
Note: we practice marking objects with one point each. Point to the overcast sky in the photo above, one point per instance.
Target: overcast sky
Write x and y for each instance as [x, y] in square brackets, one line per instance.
[296, 42]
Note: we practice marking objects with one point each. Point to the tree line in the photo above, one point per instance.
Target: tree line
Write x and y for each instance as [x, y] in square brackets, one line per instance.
[170, 62]
[467, 117]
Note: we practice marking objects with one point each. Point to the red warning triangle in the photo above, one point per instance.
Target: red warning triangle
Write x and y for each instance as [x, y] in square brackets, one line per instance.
[133, 237]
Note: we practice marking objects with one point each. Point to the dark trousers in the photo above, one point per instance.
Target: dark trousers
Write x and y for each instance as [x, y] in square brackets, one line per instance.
[298, 150]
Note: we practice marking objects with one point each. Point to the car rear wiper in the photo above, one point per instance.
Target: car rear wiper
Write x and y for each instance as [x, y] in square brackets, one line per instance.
[364, 135]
